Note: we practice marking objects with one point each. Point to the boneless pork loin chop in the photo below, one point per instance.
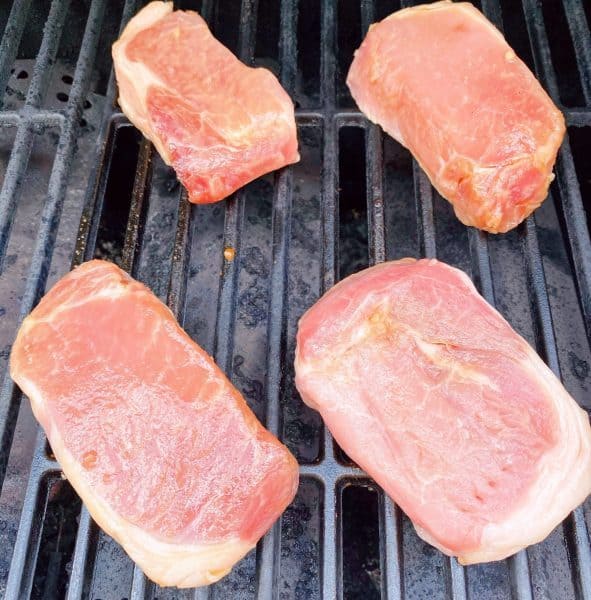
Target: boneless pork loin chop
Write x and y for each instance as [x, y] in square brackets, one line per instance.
[162, 449]
[441, 80]
[217, 122]
[431, 391]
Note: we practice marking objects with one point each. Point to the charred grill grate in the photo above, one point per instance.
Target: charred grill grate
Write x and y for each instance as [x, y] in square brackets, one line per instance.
[292, 234]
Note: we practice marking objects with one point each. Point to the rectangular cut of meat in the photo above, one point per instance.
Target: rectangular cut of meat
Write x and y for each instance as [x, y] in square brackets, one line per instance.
[432, 392]
[441, 80]
[217, 122]
[162, 449]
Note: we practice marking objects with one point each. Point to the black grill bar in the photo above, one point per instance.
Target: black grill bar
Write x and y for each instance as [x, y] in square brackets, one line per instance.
[577, 117]
[137, 210]
[389, 518]
[578, 534]
[180, 258]
[424, 208]
[268, 567]
[390, 549]
[331, 537]
[520, 576]
[270, 549]
[481, 269]
[390, 534]
[224, 337]
[329, 158]
[86, 532]
[13, 32]
[40, 118]
[376, 228]
[201, 593]
[581, 38]
[492, 10]
[572, 209]
[534, 20]
[333, 472]
[139, 585]
[26, 548]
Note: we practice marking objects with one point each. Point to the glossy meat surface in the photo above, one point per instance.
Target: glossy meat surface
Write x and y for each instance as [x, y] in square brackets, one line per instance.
[443, 81]
[217, 122]
[161, 447]
[431, 392]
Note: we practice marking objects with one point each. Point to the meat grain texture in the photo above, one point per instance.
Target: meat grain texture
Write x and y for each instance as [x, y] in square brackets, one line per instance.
[441, 80]
[431, 391]
[216, 121]
[162, 449]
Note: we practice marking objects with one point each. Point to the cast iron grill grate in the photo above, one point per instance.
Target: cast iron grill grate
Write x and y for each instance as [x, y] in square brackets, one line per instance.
[292, 235]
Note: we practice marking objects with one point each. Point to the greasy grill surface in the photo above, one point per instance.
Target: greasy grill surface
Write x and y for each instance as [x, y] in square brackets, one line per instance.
[78, 181]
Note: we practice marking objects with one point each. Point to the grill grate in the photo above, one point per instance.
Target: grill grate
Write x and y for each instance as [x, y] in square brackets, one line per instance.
[178, 251]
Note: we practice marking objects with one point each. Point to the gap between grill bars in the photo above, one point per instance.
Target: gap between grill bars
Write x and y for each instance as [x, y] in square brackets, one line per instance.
[331, 119]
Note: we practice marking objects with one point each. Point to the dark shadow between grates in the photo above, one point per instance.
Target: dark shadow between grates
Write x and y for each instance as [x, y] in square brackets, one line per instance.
[117, 198]
[58, 535]
[580, 142]
[352, 203]
[361, 548]
[563, 53]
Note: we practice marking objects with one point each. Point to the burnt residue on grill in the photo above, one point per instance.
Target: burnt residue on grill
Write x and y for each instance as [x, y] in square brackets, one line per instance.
[239, 274]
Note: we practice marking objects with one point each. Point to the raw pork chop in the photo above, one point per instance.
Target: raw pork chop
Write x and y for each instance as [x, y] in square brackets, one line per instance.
[429, 390]
[162, 449]
[443, 81]
[217, 122]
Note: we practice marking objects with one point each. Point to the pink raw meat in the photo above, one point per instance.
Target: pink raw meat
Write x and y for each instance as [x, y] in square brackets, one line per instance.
[217, 122]
[160, 446]
[431, 391]
[443, 81]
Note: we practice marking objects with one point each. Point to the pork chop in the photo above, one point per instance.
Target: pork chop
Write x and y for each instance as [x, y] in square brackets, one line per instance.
[431, 391]
[441, 80]
[217, 122]
[162, 449]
